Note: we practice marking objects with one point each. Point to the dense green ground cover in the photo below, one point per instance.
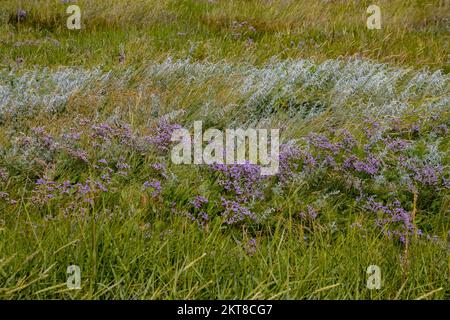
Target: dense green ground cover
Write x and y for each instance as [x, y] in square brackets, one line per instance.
[85, 170]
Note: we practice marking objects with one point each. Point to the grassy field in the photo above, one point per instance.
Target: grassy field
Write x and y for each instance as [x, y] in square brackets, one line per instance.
[86, 176]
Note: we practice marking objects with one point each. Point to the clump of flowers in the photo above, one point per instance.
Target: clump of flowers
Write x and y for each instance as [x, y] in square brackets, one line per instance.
[234, 212]
[320, 141]
[288, 162]
[154, 186]
[243, 181]
[160, 169]
[40, 144]
[198, 213]
[370, 165]
[423, 173]
[161, 135]
[123, 168]
[395, 221]
[46, 190]
[310, 213]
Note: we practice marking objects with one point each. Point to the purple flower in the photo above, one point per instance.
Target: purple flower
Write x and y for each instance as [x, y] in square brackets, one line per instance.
[415, 128]
[234, 212]
[203, 215]
[21, 14]
[398, 145]
[428, 175]
[103, 130]
[348, 142]
[369, 166]
[106, 177]
[241, 180]
[162, 135]
[311, 213]
[161, 169]
[309, 159]
[71, 137]
[100, 186]
[65, 187]
[371, 128]
[79, 154]
[155, 185]
[395, 221]
[287, 162]
[122, 166]
[322, 142]
[199, 201]
[84, 188]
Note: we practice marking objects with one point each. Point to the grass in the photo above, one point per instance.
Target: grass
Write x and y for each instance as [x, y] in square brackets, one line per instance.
[123, 259]
[414, 33]
[302, 66]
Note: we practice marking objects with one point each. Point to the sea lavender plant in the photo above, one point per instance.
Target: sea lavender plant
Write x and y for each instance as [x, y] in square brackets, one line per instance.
[309, 214]
[243, 181]
[161, 135]
[154, 185]
[234, 212]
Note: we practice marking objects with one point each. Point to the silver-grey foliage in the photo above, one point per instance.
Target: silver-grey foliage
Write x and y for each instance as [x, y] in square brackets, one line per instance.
[370, 88]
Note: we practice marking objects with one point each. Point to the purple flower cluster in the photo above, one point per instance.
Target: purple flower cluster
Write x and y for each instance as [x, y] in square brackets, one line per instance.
[371, 128]
[161, 135]
[426, 174]
[370, 165]
[397, 145]
[310, 214]
[160, 169]
[155, 185]
[288, 164]
[395, 221]
[78, 154]
[322, 142]
[234, 212]
[106, 133]
[198, 213]
[199, 201]
[21, 14]
[81, 192]
[46, 140]
[348, 141]
[243, 181]
[123, 168]
[330, 160]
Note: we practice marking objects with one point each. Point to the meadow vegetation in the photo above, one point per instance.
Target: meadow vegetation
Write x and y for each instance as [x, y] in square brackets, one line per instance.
[86, 177]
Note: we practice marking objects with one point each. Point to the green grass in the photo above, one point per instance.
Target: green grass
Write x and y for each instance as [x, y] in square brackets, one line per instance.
[121, 258]
[131, 246]
[414, 33]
